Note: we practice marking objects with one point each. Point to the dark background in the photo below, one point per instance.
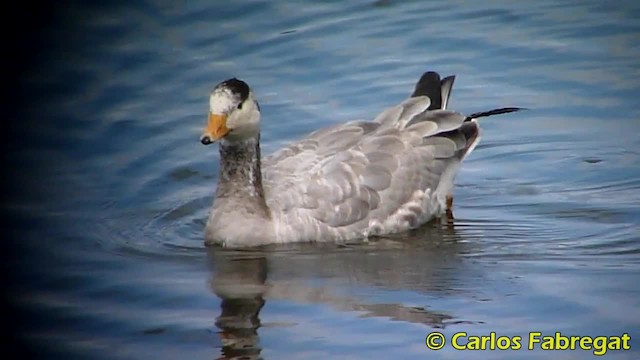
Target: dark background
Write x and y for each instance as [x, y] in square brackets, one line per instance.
[27, 36]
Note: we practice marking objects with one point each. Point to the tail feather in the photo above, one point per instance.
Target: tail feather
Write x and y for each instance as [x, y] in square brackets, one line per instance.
[464, 135]
[439, 92]
[493, 112]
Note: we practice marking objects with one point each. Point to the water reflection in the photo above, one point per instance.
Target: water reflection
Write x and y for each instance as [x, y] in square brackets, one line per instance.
[239, 282]
[427, 262]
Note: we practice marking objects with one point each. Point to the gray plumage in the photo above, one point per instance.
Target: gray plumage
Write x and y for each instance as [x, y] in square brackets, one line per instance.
[347, 181]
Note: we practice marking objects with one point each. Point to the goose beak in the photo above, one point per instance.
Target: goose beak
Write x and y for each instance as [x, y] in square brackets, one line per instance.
[215, 130]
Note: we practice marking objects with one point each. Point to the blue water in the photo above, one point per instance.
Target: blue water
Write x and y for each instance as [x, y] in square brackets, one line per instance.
[109, 208]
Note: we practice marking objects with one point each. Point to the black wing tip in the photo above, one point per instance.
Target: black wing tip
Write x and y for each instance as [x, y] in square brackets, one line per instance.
[428, 75]
[425, 86]
[432, 86]
[447, 79]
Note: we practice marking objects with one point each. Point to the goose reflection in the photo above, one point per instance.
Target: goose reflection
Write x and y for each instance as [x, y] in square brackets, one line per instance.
[239, 281]
[428, 262]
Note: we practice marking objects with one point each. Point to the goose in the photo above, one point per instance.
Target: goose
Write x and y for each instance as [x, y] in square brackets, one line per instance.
[345, 182]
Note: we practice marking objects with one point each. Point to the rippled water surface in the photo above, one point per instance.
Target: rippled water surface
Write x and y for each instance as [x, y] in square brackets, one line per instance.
[111, 201]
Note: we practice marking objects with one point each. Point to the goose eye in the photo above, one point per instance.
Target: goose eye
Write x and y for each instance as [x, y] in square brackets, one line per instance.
[240, 105]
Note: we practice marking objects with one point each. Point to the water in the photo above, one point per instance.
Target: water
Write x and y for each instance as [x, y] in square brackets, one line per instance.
[108, 206]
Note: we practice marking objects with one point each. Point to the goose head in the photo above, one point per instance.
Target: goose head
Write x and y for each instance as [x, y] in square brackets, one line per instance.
[234, 115]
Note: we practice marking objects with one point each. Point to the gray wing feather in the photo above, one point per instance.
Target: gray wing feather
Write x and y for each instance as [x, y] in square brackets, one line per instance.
[342, 177]
[399, 115]
[446, 120]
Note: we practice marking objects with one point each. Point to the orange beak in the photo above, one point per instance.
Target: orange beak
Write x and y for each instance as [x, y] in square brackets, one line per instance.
[216, 128]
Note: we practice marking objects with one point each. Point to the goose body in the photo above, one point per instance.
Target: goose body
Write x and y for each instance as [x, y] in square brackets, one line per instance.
[344, 182]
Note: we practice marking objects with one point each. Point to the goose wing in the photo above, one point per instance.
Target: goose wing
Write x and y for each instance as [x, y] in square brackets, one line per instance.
[362, 174]
[351, 174]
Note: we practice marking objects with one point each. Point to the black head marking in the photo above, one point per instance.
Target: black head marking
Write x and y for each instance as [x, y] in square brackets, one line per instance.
[239, 88]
